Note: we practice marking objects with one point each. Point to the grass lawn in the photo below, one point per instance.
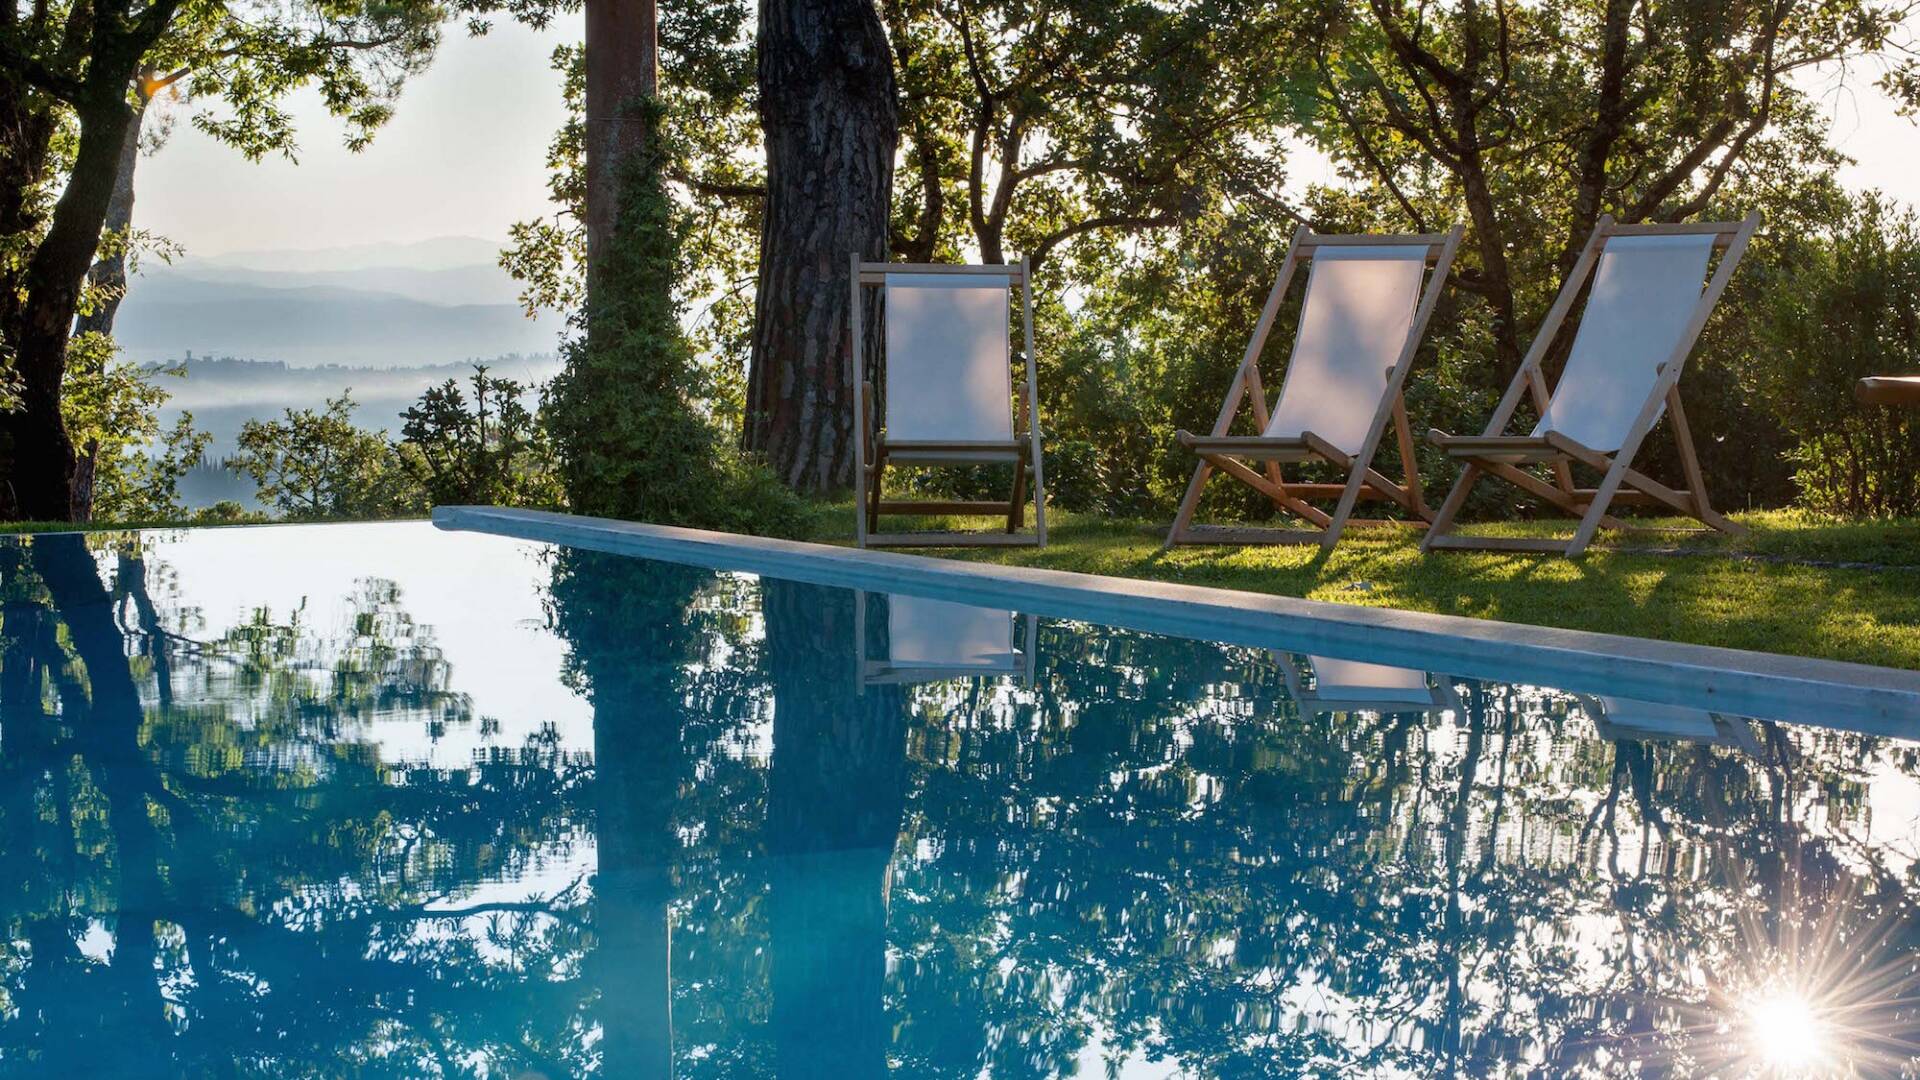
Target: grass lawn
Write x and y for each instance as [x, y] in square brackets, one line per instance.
[1786, 588]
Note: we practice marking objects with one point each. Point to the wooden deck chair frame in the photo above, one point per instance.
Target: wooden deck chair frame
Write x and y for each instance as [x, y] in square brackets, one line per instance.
[883, 672]
[873, 451]
[1219, 450]
[1444, 697]
[1499, 455]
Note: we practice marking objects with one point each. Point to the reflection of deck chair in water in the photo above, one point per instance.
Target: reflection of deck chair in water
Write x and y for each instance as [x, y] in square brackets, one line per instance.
[1359, 686]
[1360, 324]
[1643, 314]
[1617, 718]
[946, 396]
[936, 640]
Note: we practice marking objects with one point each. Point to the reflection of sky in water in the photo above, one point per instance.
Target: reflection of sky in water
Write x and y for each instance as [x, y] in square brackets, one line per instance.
[481, 603]
[853, 832]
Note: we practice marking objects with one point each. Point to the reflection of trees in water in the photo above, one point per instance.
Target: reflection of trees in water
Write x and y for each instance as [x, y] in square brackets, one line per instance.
[218, 876]
[834, 801]
[1152, 851]
[1250, 890]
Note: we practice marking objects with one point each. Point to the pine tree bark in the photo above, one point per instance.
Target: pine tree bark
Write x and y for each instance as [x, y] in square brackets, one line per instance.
[829, 113]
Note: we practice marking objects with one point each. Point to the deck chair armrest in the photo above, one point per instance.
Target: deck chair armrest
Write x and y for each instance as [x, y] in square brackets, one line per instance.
[1469, 446]
[1327, 450]
[1191, 441]
[1577, 450]
[1888, 390]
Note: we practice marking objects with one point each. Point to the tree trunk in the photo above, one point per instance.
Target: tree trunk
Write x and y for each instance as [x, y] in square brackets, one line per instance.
[627, 629]
[828, 111]
[107, 739]
[622, 61]
[637, 767]
[108, 282]
[108, 278]
[34, 446]
[836, 793]
[26, 132]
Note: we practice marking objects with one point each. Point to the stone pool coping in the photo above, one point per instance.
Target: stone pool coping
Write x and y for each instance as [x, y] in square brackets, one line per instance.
[1858, 697]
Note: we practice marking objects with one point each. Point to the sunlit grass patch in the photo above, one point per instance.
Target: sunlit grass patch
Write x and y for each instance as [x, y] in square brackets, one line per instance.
[1774, 590]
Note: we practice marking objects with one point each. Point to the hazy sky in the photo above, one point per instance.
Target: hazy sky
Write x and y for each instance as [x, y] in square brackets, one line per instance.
[464, 156]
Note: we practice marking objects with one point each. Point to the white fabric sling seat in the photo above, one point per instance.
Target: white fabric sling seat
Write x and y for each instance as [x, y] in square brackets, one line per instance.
[1361, 686]
[1367, 303]
[947, 396]
[1618, 718]
[932, 640]
[1649, 298]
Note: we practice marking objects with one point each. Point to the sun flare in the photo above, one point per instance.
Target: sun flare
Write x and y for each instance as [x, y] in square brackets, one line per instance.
[1787, 1035]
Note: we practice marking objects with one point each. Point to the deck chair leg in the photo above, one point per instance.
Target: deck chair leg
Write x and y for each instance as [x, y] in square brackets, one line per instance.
[1017, 506]
[1597, 509]
[1689, 460]
[1450, 509]
[1690, 464]
[862, 521]
[873, 492]
[1409, 460]
[1188, 504]
[1356, 477]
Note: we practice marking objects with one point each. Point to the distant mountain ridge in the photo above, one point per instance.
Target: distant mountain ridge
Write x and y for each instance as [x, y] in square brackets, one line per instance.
[452, 286]
[373, 305]
[438, 253]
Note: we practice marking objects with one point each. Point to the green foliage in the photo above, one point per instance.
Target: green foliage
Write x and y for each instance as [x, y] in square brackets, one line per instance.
[1136, 151]
[631, 438]
[706, 118]
[316, 465]
[1848, 306]
[110, 409]
[355, 55]
[1526, 161]
[146, 486]
[227, 512]
[492, 452]
[1026, 128]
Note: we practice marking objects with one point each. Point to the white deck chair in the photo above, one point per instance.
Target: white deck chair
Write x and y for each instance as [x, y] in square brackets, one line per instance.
[1644, 312]
[1617, 718]
[1359, 686]
[935, 640]
[1361, 322]
[947, 395]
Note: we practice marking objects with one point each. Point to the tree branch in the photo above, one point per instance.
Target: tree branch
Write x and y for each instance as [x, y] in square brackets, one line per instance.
[1046, 245]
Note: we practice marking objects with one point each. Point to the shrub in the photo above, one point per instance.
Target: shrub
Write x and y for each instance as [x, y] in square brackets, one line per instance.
[129, 469]
[630, 439]
[313, 466]
[1846, 307]
[490, 452]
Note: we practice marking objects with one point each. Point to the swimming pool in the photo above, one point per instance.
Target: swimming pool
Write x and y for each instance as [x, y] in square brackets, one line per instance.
[391, 801]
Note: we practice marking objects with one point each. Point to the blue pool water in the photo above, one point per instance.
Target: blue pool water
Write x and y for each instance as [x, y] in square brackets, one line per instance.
[380, 801]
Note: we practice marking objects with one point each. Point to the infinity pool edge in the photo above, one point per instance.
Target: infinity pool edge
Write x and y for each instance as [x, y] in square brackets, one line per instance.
[1880, 700]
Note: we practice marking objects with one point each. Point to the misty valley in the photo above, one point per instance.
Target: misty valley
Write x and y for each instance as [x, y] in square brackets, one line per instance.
[248, 335]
